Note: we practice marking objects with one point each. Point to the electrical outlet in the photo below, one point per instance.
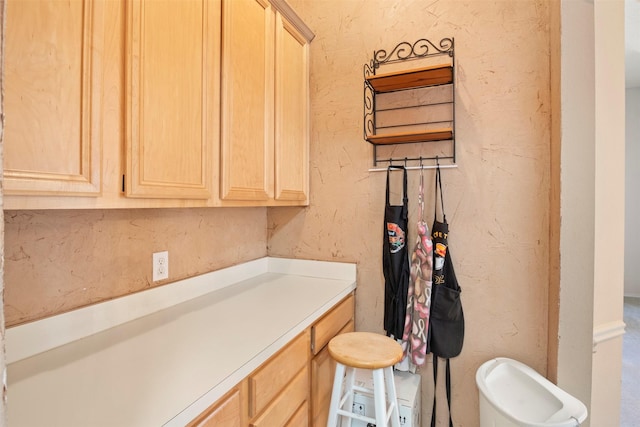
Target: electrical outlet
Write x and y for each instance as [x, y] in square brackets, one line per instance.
[160, 265]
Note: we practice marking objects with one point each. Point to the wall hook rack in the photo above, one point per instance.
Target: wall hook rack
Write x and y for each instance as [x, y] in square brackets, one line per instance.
[419, 166]
[411, 104]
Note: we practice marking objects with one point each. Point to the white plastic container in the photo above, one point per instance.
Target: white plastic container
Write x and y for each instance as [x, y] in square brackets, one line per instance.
[407, 391]
[514, 395]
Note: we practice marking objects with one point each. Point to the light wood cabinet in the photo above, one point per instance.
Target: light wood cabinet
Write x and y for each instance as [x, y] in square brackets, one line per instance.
[272, 377]
[292, 388]
[338, 321]
[291, 143]
[171, 97]
[285, 408]
[118, 105]
[247, 99]
[300, 418]
[228, 411]
[265, 129]
[53, 98]
[275, 394]
[281, 385]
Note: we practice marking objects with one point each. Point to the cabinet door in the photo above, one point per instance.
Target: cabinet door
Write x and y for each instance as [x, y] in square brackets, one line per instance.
[323, 369]
[228, 411]
[247, 100]
[292, 113]
[53, 97]
[171, 103]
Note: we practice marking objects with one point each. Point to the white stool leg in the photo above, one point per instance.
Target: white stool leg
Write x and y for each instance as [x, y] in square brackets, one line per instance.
[379, 398]
[336, 396]
[348, 404]
[392, 396]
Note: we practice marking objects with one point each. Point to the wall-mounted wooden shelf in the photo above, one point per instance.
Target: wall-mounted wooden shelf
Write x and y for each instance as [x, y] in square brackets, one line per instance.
[419, 77]
[424, 111]
[411, 137]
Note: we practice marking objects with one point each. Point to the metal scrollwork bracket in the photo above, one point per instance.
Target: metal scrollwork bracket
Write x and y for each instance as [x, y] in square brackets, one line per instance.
[422, 48]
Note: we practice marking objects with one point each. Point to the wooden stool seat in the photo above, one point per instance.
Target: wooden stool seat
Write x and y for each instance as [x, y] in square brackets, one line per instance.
[365, 350]
[375, 353]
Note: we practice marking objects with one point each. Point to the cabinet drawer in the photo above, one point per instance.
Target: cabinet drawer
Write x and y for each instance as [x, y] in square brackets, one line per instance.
[300, 418]
[226, 412]
[277, 372]
[285, 406]
[329, 326]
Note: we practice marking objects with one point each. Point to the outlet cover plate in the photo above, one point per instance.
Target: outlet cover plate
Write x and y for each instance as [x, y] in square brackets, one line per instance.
[160, 266]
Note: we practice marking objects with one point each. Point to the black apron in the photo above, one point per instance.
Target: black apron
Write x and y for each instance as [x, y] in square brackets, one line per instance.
[395, 261]
[446, 322]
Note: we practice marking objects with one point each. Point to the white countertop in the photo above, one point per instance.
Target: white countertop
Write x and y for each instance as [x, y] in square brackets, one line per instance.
[168, 366]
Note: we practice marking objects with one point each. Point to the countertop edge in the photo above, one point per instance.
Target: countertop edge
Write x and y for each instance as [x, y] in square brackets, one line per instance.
[30, 339]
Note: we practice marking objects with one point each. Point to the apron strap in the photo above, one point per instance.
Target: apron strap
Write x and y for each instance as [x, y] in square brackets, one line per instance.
[421, 196]
[439, 187]
[405, 198]
[387, 196]
[448, 389]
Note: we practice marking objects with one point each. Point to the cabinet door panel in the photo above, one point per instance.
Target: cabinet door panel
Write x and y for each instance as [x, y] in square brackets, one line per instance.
[323, 369]
[247, 100]
[171, 46]
[300, 418]
[292, 113]
[285, 406]
[332, 323]
[53, 97]
[269, 380]
[228, 411]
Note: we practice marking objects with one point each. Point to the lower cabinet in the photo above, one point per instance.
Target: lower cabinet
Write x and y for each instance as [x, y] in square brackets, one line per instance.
[281, 385]
[293, 387]
[323, 368]
[228, 411]
[337, 321]
[285, 407]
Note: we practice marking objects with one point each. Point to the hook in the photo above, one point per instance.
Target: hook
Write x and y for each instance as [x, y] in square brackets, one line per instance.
[405, 162]
[391, 165]
[421, 162]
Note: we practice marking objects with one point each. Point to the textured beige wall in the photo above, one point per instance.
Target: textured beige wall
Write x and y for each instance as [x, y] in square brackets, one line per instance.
[497, 201]
[56, 261]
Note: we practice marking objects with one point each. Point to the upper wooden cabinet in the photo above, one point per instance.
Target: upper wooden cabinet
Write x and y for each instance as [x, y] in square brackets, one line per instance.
[172, 97]
[247, 100]
[292, 113]
[53, 98]
[265, 104]
[118, 104]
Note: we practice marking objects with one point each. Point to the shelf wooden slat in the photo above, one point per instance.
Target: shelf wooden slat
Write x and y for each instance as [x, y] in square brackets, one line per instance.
[419, 77]
[411, 137]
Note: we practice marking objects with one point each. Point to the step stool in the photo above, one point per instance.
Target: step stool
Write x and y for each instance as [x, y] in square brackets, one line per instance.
[376, 353]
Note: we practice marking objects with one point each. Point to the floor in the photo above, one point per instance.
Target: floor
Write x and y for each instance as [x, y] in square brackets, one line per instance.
[630, 401]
